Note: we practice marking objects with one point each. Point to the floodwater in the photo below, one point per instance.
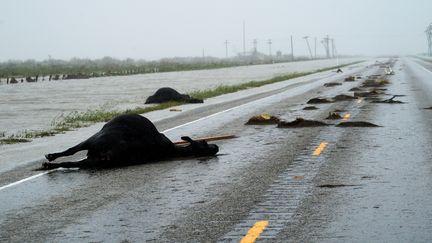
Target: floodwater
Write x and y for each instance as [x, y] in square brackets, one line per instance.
[34, 106]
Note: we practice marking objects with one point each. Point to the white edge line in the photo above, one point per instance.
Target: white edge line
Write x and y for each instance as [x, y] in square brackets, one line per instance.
[167, 130]
[26, 179]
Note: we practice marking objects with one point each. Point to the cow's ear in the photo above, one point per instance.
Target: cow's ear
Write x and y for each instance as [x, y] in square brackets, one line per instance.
[187, 139]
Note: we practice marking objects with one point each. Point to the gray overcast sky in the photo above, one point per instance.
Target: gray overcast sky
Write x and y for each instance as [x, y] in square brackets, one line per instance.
[34, 29]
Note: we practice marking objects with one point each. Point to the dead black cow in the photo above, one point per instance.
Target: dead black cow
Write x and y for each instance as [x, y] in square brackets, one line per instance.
[169, 94]
[126, 140]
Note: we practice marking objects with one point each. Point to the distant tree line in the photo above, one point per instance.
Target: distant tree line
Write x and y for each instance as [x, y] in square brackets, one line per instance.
[54, 69]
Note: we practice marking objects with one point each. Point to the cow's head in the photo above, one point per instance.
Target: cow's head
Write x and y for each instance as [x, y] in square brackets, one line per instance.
[199, 148]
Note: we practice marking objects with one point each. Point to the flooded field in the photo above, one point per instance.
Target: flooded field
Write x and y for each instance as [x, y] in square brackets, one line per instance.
[34, 106]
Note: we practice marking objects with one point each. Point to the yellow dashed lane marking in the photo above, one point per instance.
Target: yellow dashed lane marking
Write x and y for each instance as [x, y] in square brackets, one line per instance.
[346, 116]
[319, 149]
[254, 232]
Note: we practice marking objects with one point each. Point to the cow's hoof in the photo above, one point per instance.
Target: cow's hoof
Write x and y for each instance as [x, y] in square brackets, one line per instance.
[47, 166]
[50, 157]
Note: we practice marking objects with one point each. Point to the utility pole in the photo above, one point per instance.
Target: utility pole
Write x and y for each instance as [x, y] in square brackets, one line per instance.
[255, 45]
[326, 43]
[333, 47]
[307, 42]
[429, 38]
[315, 47]
[335, 54]
[244, 38]
[269, 42]
[226, 49]
[292, 50]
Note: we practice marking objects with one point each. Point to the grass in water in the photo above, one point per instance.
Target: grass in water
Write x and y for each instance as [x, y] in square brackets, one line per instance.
[82, 119]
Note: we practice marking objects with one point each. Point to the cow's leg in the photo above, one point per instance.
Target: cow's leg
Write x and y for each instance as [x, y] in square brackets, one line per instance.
[67, 152]
[78, 164]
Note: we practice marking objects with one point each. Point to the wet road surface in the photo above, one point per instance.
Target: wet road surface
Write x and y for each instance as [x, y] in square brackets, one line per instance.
[322, 184]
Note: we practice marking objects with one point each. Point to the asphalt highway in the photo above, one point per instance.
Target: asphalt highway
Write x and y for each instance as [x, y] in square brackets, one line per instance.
[315, 184]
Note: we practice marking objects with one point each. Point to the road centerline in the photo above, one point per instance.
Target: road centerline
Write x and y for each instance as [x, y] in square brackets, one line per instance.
[320, 149]
[255, 231]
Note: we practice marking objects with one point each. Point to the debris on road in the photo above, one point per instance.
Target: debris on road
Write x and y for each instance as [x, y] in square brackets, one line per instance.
[390, 101]
[350, 79]
[300, 122]
[344, 97]
[331, 84]
[355, 89]
[207, 139]
[308, 108]
[319, 101]
[263, 119]
[298, 178]
[335, 185]
[374, 92]
[356, 124]
[375, 82]
[333, 116]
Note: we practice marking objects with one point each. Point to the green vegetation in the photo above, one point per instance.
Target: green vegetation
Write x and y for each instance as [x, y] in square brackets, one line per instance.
[225, 89]
[108, 66]
[12, 139]
[81, 119]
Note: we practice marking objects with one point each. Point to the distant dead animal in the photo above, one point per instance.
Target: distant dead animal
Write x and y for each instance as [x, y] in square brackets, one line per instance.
[356, 124]
[127, 140]
[13, 80]
[350, 79]
[331, 84]
[308, 108]
[343, 97]
[167, 94]
[333, 116]
[263, 119]
[355, 89]
[300, 122]
[375, 82]
[319, 101]
[390, 101]
[367, 93]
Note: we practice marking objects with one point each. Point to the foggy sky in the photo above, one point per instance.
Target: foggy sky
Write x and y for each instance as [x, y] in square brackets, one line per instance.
[37, 29]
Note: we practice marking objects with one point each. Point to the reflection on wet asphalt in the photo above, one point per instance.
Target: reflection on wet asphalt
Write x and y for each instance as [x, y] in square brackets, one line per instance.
[390, 165]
